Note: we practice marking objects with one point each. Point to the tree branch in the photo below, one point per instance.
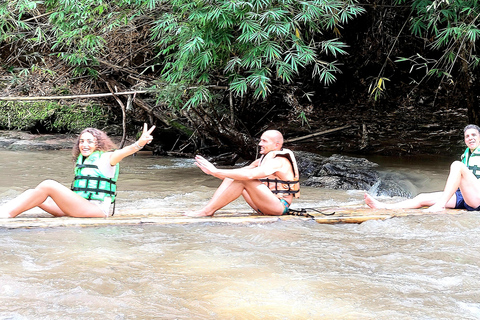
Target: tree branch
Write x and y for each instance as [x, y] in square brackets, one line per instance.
[316, 134]
[80, 96]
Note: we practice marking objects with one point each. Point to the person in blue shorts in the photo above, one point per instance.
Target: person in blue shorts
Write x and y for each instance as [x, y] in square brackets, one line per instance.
[462, 189]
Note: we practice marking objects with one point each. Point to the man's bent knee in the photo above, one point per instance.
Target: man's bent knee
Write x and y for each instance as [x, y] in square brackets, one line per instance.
[457, 165]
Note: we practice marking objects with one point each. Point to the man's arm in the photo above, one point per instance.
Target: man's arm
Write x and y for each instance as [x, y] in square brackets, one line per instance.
[254, 164]
[248, 173]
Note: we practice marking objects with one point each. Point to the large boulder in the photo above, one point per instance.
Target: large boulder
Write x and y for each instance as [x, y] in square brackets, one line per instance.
[348, 173]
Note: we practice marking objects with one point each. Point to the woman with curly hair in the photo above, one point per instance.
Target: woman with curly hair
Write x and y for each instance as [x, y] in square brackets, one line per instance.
[94, 187]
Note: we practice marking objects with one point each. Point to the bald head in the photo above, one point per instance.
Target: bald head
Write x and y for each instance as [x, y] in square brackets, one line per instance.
[275, 136]
[271, 140]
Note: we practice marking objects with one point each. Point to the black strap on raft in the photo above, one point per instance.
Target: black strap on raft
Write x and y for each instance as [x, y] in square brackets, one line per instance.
[303, 213]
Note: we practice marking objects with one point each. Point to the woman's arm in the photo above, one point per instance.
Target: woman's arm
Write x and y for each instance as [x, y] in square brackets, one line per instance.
[145, 138]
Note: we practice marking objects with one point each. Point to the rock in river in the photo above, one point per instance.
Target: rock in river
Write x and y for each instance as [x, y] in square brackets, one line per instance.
[348, 173]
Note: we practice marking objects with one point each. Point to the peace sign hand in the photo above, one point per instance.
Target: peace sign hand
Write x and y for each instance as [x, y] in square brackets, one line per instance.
[146, 136]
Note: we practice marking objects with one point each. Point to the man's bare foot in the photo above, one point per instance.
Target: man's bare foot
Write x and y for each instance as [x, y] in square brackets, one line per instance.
[4, 215]
[197, 214]
[373, 203]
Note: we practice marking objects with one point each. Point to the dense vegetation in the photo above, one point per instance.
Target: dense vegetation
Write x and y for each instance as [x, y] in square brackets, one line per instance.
[220, 72]
[42, 116]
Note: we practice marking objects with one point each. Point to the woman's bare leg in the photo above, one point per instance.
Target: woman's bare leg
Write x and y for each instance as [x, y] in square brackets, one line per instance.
[66, 202]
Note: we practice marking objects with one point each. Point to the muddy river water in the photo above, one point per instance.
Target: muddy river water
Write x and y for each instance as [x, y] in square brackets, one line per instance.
[422, 267]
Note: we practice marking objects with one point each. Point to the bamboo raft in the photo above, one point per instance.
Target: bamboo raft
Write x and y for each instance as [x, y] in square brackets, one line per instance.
[342, 215]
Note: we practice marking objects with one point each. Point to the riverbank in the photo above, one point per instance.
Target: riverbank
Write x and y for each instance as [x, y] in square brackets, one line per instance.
[422, 129]
[25, 141]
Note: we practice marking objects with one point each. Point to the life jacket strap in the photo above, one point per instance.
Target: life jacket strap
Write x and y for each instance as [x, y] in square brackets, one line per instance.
[474, 170]
[97, 189]
[91, 166]
[88, 178]
[94, 190]
[267, 180]
[285, 191]
[277, 181]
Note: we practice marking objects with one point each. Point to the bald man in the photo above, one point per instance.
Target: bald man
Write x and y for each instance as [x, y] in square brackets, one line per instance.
[268, 185]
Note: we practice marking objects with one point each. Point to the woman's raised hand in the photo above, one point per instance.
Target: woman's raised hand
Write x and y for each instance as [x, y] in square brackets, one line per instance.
[146, 136]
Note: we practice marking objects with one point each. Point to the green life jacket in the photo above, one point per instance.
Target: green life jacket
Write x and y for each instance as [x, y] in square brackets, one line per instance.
[472, 161]
[90, 182]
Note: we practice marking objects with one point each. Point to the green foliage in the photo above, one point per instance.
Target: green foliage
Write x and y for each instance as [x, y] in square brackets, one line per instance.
[454, 27]
[251, 48]
[74, 31]
[377, 88]
[248, 46]
[50, 116]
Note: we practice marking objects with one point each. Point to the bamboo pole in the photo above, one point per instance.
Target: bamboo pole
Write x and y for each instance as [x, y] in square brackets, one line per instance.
[93, 95]
[160, 217]
[80, 96]
[317, 134]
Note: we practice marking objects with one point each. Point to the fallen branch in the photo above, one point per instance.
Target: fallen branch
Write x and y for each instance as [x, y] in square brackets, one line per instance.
[80, 96]
[93, 95]
[124, 116]
[317, 134]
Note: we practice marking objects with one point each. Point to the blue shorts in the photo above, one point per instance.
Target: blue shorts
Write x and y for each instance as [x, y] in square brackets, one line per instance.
[285, 209]
[286, 205]
[460, 203]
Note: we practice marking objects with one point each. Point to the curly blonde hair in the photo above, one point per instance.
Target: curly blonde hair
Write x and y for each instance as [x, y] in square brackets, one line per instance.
[102, 142]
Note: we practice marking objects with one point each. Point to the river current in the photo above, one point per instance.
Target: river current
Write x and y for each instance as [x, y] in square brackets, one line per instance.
[422, 267]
